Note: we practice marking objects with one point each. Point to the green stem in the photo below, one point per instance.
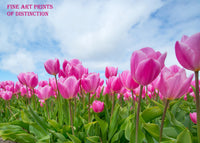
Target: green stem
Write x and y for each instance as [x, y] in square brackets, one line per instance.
[70, 112]
[89, 108]
[197, 103]
[60, 111]
[113, 104]
[47, 110]
[138, 113]
[133, 99]
[163, 119]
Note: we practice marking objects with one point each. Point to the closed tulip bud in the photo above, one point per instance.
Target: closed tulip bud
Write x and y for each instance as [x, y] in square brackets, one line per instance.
[52, 66]
[98, 106]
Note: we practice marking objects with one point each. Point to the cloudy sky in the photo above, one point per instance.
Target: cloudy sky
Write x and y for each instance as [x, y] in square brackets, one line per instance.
[100, 33]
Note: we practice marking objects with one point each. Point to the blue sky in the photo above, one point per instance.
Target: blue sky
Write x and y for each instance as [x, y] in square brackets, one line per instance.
[100, 33]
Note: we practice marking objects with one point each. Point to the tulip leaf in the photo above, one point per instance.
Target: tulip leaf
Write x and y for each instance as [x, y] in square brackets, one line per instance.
[151, 113]
[25, 138]
[141, 135]
[39, 120]
[104, 128]
[94, 139]
[114, 122]
[184, 137]
[117, 136]
[74, 138]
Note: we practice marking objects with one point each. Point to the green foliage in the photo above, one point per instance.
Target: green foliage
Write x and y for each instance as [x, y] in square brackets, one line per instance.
[25, 123]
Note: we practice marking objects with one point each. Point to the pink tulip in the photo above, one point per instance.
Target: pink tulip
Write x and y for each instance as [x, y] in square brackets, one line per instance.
[31, 79]
[68, 87]
[146, 65]
[98, 106]
[127, 80]
[188, 51]
[115, 84]
[21, 78]
[111, 71]
[173, 82]
[90, 82]
[52, 66]
[42, 83]
[44, 92]
[6, 95]
[193, 117]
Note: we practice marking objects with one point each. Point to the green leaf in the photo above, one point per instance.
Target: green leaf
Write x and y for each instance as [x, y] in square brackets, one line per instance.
[129, 127]
[88, 126]
[25, 138]
[39, 120]
[74, 138]
[104, 128]
[35, 129]
[184, 137]
[114, 122]
[151, 113]
[45, 139]
[59, 136]
[152, 129]
[141, 135]
[117, 136]
[170, 132]
[94, 139]
[54, 124]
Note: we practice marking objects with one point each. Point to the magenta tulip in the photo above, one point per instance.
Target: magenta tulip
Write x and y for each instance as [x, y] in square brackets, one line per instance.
[43, 83]
[173, 82]
[21, 78]
[45, 92]
[188, 51]
[68, 87]
[111, 71]
[98, 106]
[52, 66]
[6, 95]
[127, 80]
[31, 79]
[146, 65]
[193, 117]
[90, 82]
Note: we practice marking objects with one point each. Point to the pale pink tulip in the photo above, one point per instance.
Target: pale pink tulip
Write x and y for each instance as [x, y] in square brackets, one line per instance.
[68, 87]
[188, 51]
[52, 66]
[111, 71]
[146, 65]
[173, 82]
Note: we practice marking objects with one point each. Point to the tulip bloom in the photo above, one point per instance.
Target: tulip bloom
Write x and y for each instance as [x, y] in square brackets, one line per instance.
[52, 66]
[146, 65]
[31, 79]
[188, 51]
[173, 82]
[90, 82]
[193, 117]
[6, 95]
[111, 71]
[98, 106]
[44, 92]
[127, 80]
[68, 87]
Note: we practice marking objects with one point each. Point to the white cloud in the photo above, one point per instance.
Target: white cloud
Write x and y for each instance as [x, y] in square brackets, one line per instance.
[97, 30]
[21, 61]
[99, 33]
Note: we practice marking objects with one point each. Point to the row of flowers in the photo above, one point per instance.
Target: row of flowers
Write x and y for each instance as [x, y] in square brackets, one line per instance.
[147, 69]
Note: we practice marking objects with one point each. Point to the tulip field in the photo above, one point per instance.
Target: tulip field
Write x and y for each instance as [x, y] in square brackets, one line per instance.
[148, 103]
